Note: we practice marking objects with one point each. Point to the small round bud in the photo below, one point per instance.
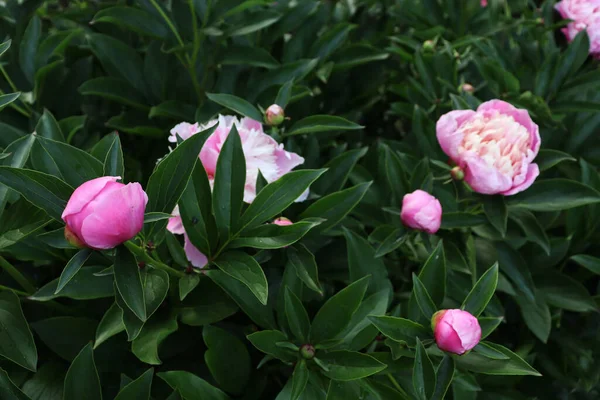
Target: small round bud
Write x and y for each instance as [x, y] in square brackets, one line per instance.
[73, 239]
[457, 173]
[468, 88]
[274, 115]
[307, 351]
[428, 45]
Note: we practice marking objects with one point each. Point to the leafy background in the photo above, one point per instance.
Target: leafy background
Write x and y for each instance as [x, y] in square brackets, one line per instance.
[363, 82]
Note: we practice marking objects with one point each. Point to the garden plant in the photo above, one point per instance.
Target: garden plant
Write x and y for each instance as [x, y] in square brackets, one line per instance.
[299, 199]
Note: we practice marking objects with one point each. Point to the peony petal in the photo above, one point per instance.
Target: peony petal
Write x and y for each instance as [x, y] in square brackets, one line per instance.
[194, 255]
[447, 132]
[86, 193]
[532, 172]
[286, 161]
[175, 224]
[249, 123]
[483, 178]
[446, 337]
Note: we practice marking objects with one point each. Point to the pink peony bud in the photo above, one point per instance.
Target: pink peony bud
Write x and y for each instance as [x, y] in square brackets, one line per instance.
[274, 115]
[484, 3]
[494, 146]
[586, 16]
[455, 331]
[421, 211]
[103, 213]
[468, 88]
[282, 221]
[457, 174]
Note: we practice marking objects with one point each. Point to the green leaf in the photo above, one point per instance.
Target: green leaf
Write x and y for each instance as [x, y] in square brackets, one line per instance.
[134, 123]
[329, 41]
[400, 329]
[489, 352]
[548, 158]
[65, 336]
[170, 178]
[454, 220]
[297, 316]
[115, 89]
[245, 269]
[554, 195]
[496, 212]
[564, 292]
[145, 346]
[336, 206]
[360, 328]
[155, 216]
[46, 384]
[133, 325]
[85, 285]
[305, 266]
[536, 315]
[5, 46]
[18, 151]
[277, 196]
[241, 294]
[588, 262]
[424, 379]
[110, 325]
[16, 341]
[444, 375]
[227, 359]
[251, 56]
[391, 242]
[362, 262]
[482, 292]
[114, 163]
[266, 341]
[515, 267]
[531, 227]
[489, 325]
[299, 379]
[228, 190]
[209, 304]
[72, 267]
[48, 127]
[478, 363]
[322, 123]
[173, 109]
[8, 390]
[129, 282]
[134, 19]
[272, 236]
[284, 94]
[338, 170]
[345, 365]
[187, 284]
[139, 389]
[433, 277]
[236, 104]
[28, 47]
[335, 315]
[191, 387]
[42, 190]
[6, 99]
[423, 299]
[572, 59]
[82, 380]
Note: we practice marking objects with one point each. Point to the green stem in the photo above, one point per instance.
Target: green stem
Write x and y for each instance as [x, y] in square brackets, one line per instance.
[17, 108]
[395, 383]
[168, 21]
[17, 276]
[143, 256]
[18, 292]
[10, 82]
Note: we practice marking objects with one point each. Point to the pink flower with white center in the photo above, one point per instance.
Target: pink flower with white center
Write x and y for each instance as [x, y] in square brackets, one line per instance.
[586, 16]
[261, 151]
[495, 146]
[455, 331]
[175, 226]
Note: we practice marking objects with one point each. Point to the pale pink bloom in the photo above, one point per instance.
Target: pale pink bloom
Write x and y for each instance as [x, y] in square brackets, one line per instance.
[455, 331]
[282, 221]
[421, 211]
[495, 146]
[261, 151]
[175, 226]
[585, 15]
[103, 213]
[184, 130]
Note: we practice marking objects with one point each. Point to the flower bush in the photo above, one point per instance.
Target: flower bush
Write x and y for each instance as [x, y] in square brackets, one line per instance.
[357, 199]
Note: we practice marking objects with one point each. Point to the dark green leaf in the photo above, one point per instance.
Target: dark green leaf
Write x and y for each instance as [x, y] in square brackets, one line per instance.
[362, 262]
[244, 268]
[322, 123]
[187, 284]
[129, 282]
[305, 266]
[16, 341]
[110, 325]
[273, 236]
[266, 341]
[145, 346]
[252, 56]
[8, 390]
[134, 19]
[564, 292]
[548, 158]
[28, 48]
[444, 375]
[338, 170]
[454, 220]
[6, 99]
[191, 387]
[299, 379]
[400, 329]
[488, 351]
[155, 216]
[82, 380]
[297, 316]
[72, 267]
[113, 163]
[532, 228]
[536, 315]
[589, 262]
[48, 127]
[115, 89]
[423, 299]
[480, 364]
[515, 267]
[65, 336]
[85, 285]
[345, 365]
[209, 303]
[139, 389]
[496, 212]
[482, 292]
[488, 325]
[284, 94]
[554, 195]
[236, 104]
[424, 379]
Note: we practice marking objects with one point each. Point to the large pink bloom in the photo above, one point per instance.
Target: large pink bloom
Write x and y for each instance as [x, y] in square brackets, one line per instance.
[495, 146]
[421, 211]
[455, 331]
[585, 15]
[103, 213]
[261, 151]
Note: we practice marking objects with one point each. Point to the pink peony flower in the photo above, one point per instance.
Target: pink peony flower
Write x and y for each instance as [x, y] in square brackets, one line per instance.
[282, 221]
[484, 3]
[455, 331]
[194, 256]
[494, 146]
[103, 213]
[262, 152]
[421, 211]
[585, 15]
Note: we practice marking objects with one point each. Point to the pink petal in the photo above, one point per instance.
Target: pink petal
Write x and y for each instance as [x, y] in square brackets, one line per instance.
[447, 339]
[532, 172]
[483, 178]
[447, 132]
[86, 193]
[194, 255]
[286, 161]
[175, 224]
[249, 123]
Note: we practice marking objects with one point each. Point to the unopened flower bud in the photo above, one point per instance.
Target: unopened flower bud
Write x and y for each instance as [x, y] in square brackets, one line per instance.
[467, 87]
[428, 45]
[457, 173]
[455, 331]
[73, 239]
[274, 115]
[307, 351]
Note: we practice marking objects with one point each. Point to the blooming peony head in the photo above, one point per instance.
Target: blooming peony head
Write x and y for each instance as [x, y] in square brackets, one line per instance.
[495, 146]
[421, 211]
[455, 331]
[261, 151]
[586, 16]
[103, 213]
